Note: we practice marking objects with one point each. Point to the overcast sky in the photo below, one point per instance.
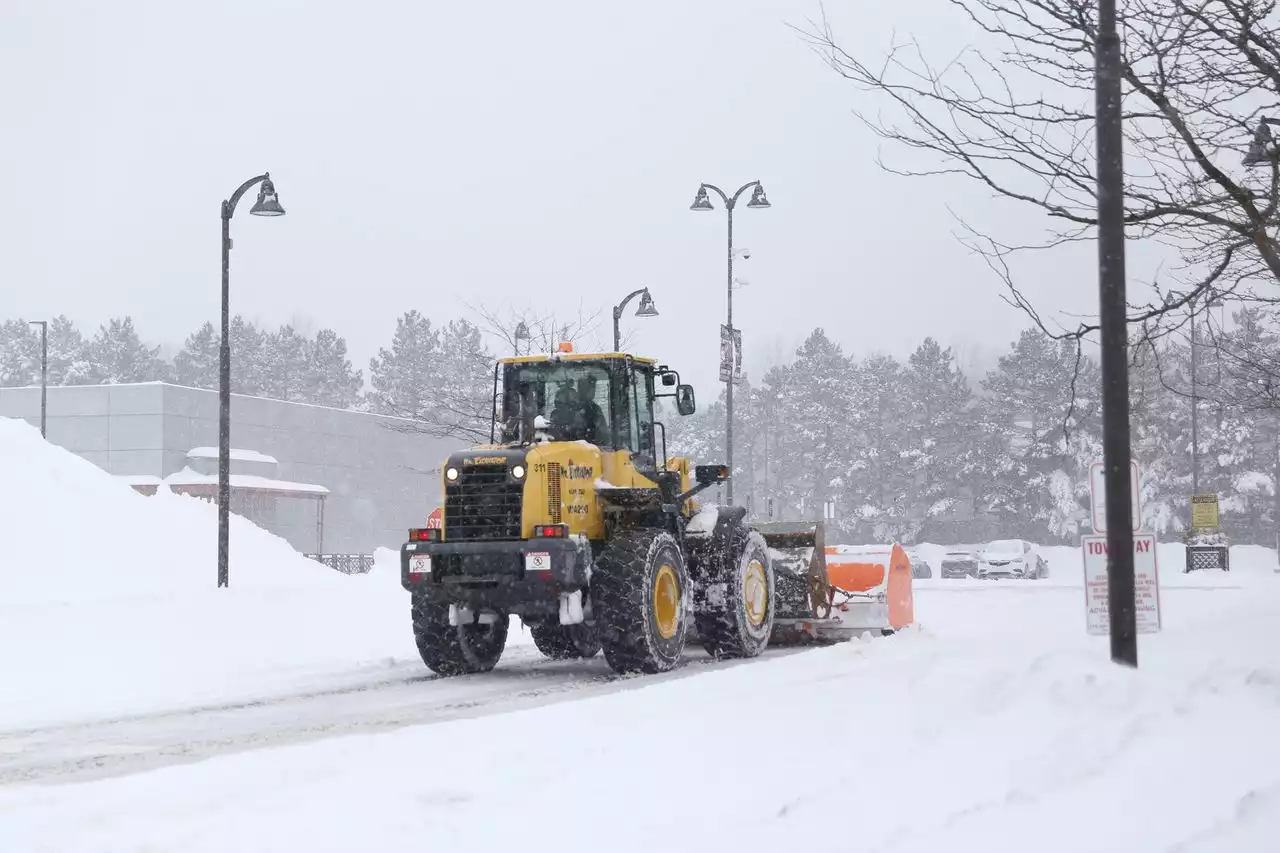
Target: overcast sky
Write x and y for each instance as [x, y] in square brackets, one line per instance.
[432, 154]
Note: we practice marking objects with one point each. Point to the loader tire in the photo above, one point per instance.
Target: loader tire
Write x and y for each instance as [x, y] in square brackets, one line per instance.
[640, 597]
[456, 649]
[742, 627]
[565, 642]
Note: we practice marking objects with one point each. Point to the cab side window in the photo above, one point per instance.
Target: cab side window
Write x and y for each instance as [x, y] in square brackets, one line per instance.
[642, 443]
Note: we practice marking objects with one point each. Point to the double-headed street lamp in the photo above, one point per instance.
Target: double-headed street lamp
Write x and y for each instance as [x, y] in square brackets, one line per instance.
[702, 202]
[268, 204]
[646, 308]
[44, 373]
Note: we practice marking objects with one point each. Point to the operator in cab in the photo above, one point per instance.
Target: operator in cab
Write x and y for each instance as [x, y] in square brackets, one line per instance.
[576, 415]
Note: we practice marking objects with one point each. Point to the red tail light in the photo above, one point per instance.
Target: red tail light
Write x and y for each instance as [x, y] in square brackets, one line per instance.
[424, 534]
[556, 531]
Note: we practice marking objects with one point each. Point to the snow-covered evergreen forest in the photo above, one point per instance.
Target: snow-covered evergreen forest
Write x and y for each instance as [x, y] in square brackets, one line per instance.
[915, 450]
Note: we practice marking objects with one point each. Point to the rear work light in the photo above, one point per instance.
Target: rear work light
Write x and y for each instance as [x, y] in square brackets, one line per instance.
[424, 534]
[557, 531]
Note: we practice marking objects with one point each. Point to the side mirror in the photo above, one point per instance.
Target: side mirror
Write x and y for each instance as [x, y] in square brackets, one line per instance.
[668, 379]
[685, 403]
[709, 475]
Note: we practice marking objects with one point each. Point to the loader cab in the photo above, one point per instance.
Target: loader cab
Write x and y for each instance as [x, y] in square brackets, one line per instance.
[605, 399]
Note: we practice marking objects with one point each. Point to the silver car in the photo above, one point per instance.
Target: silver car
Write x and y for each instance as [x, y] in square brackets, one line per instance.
[960, 564]
[1011, 558]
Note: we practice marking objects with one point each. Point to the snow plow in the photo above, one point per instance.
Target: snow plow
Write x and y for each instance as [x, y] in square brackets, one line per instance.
[828, 594]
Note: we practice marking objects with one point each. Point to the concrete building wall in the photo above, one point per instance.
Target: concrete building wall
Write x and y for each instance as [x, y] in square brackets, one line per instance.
[382, 478]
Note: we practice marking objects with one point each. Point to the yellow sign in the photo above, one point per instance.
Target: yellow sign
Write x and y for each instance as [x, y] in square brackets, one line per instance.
[1204, 511]
[487, 460]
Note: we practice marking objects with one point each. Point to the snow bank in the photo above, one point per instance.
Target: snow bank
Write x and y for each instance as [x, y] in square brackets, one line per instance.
[109, 603]
[999, 727]
[72, 532]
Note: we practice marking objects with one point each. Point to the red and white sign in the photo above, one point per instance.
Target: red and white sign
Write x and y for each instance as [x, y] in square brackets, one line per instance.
[419, 564]
[1146, 584]
[537, 561]
[1098, 497]
[435, 520]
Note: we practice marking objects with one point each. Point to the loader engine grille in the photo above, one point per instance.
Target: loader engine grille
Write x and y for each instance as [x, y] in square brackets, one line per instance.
[485, 504]
[555, 504]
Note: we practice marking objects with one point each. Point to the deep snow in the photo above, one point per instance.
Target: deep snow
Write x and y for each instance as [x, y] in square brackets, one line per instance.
[109, 604]
[996, 724]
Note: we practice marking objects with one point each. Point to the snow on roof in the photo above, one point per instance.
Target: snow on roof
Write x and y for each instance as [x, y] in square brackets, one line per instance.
[187, 477]
[236, 455]
[139, 479]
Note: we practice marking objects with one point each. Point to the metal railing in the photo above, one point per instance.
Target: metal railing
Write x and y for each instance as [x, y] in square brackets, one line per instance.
[348, 564]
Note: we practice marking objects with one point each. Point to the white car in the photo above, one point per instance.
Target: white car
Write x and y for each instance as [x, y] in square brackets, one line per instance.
[1011, 558]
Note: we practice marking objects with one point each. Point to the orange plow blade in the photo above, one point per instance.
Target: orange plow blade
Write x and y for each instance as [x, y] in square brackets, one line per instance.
[826, 594]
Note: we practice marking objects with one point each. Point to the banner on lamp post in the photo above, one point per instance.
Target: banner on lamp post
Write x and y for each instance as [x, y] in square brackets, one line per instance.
[726, 354]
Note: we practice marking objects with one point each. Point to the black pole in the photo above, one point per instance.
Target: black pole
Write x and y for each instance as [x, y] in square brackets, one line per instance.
[1114, 339]
[728, 385]
[265, 207]
[1195, 409]
[617, 334]
[224, 408]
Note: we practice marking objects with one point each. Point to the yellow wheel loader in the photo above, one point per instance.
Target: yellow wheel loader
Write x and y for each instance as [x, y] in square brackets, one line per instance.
[574, 519]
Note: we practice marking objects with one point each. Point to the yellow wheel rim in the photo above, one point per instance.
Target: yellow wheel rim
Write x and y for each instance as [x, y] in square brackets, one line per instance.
[666, 601]
[755, 593]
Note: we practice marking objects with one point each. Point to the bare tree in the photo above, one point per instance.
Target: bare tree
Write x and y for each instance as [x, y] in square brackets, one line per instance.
[545, 329]
[1019, 120]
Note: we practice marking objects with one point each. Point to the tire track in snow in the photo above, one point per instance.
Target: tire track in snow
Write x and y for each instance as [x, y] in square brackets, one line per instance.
[95, 750]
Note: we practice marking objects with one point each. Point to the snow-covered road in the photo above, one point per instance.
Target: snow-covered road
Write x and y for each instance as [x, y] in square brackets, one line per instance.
[997, 725]
[403, 694]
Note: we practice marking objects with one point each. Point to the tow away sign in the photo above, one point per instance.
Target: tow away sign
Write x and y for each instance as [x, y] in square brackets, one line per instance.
[1146, 583]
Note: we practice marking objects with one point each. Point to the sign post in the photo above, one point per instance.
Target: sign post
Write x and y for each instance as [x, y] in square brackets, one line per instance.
[1098, 497]
[1146, 583]
[1204, 512]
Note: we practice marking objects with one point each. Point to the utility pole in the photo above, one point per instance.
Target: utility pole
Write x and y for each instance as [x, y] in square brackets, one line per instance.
[1114, 337]
[1195, 409]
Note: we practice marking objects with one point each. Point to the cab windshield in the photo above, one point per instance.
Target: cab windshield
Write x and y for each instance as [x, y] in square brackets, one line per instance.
[572, 398]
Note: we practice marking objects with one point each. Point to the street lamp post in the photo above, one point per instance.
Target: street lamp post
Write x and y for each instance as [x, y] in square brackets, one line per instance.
[702, 202]
[1114, 341]
[44, 375]
[268, 204]
[646, 308]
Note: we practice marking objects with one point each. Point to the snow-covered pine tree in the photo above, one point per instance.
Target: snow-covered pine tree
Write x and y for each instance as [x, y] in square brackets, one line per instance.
[19, 354]
[817, 403]
[877, 491]
[401, 375]
[249, 367]
[328, 378]
[1048, 418]
[939, 443]
[461, 384]
[118, 355]
[196, 365]
[285, 365]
